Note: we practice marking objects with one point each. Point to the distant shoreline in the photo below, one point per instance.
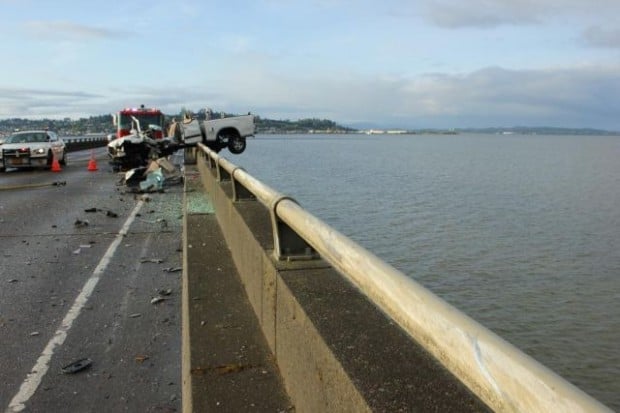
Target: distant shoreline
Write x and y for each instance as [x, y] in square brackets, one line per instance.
[103, 125]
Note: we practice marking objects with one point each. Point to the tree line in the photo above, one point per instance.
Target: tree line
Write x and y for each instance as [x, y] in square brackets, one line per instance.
[103, 124]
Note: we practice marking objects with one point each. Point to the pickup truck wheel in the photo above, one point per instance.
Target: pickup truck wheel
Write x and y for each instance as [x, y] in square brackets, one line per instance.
[236, 144]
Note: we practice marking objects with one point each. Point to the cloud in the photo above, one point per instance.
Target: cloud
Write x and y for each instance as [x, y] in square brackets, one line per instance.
[29, 103]
[569, 97]
[583, 96]
[493, 13]
[600, 37]
[68, 30]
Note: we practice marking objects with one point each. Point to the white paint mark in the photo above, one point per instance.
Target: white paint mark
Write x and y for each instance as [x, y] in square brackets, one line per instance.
[33, 379]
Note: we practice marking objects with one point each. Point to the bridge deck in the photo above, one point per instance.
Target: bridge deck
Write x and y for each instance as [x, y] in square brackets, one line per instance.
[335, 350]
[230, 365]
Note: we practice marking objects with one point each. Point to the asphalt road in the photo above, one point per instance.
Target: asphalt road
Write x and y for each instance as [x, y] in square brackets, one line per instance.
[69, 292]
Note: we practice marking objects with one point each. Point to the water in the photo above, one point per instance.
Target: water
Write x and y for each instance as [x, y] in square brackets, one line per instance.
[522, 233]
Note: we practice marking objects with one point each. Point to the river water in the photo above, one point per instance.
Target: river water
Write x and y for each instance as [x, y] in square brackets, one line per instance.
[522, 233]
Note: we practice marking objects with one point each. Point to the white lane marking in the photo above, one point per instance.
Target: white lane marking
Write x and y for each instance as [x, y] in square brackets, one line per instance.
[33, 379]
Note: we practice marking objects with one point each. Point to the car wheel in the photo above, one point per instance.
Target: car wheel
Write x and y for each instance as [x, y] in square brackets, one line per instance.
[236, 144]
[63, 161]
[50, 160]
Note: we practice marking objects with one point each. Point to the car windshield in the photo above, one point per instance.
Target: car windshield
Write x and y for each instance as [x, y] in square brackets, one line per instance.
[27, 137]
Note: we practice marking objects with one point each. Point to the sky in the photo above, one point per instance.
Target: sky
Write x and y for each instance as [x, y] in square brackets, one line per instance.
[383, 64]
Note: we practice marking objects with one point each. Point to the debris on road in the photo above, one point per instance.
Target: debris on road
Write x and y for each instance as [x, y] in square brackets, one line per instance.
[135, 315]
[153, 260]
[141, 358]
[165, 292]
[108, 212]
[158, 299]
[173, 269]
[159, 173]
[77, 366]
[81, 223]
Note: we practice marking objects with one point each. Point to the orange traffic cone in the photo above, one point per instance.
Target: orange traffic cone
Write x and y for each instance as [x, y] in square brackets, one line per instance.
[55, 164]
[92, 164]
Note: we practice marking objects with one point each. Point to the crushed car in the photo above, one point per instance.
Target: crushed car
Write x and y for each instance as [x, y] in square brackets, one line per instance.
[141, 145]
[32, 149]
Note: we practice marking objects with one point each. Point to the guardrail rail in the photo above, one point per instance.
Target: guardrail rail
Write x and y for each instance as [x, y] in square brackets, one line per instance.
[501, 375]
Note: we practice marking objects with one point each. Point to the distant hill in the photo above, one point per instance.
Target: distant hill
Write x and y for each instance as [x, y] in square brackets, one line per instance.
[542, 130]
[103, 124]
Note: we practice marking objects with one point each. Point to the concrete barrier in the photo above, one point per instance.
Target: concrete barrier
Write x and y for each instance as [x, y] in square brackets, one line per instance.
[335, 350]
[502, 376]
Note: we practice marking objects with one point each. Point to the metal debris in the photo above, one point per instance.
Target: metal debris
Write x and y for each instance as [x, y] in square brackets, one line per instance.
[76, 366]
[158, 299]
[173, 269]
[153, 260]
[81, 223]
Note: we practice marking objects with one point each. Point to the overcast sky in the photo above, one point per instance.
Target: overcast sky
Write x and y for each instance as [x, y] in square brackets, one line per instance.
[388, 63]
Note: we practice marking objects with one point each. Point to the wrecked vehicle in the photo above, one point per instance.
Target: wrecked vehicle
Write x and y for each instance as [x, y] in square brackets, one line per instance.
[217, 134]
[137, 148]
[35, 148]
[141, 145]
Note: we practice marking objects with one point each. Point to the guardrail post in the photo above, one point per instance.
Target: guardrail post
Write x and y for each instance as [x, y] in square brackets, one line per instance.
[240, 192]
[222, 174]
[287, 244]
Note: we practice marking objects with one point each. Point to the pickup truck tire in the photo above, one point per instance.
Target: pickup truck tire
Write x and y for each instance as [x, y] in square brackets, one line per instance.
[236, 144]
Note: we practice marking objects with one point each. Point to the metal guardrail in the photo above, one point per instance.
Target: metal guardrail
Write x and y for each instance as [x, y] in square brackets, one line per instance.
[504, 377]
[79, 143]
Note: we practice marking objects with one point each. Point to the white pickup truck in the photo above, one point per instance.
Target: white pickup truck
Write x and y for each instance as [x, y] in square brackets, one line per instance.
[217, 134]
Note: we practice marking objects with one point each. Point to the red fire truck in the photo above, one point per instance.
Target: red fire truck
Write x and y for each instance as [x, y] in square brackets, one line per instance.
[148, 118]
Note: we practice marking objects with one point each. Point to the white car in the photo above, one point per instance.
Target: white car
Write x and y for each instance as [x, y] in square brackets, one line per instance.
[35, 148]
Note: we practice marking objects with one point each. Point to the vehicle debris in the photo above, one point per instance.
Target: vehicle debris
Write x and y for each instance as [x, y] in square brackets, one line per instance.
[158, 299]
[108, 212]
[77, 366]
[159, 174]
[165, 292]
[81, 223]
[141, 358]
[173, 269]
[153, 260]
[135, 315]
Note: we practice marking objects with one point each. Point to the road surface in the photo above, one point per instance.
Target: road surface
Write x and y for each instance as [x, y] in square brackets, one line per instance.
[88, 285]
